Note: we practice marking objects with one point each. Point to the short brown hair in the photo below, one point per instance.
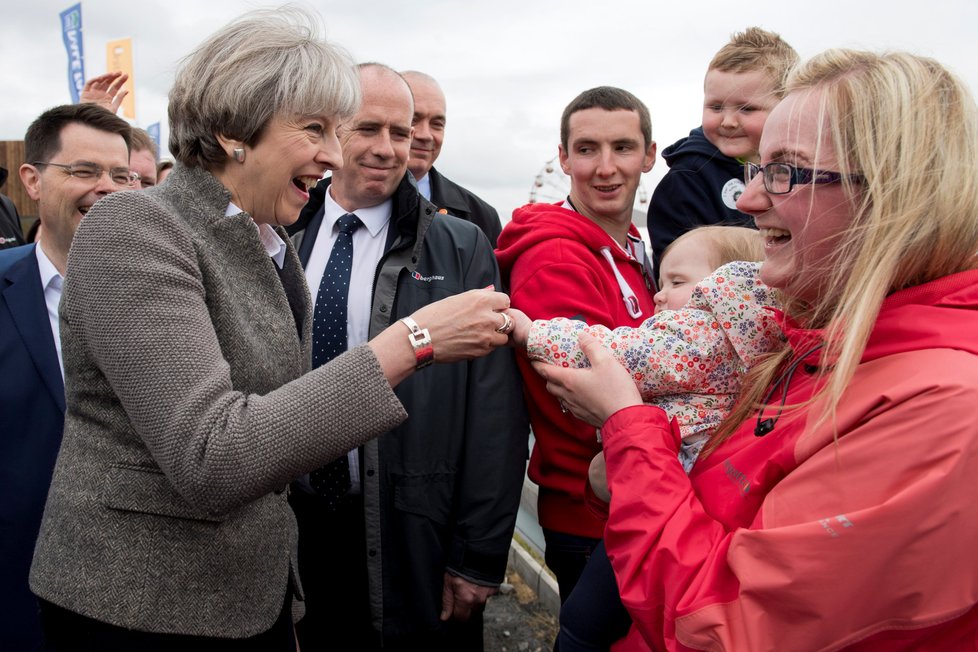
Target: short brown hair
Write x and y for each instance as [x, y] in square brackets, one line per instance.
[142, 142]
[756, 49]
[43, 136]
[608, 98]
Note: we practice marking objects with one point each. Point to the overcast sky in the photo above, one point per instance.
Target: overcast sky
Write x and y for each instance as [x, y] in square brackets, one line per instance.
[508, 67]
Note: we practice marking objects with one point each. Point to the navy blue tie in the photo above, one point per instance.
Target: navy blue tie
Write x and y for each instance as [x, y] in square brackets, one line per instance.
[332, 482]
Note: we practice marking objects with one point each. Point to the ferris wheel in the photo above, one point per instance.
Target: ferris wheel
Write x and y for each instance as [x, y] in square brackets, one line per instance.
[552, 185]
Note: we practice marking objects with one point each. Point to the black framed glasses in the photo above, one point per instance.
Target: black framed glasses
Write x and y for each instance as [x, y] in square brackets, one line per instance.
[123, 177]
[780, 178]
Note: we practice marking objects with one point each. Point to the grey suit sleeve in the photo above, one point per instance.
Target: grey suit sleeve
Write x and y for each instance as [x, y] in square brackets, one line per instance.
[137, 299]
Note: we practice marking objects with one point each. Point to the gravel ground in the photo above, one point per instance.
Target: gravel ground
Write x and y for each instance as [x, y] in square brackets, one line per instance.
[514, 622]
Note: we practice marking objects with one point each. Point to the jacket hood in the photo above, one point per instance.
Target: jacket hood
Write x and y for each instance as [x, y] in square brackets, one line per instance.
[536, 223]
[694, 143]
[940, 314]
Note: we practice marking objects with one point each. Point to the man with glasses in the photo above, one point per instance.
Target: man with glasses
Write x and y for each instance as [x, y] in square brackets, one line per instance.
[76, 155]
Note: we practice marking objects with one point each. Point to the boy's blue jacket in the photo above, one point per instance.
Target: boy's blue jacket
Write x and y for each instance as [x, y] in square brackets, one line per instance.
[701, 188]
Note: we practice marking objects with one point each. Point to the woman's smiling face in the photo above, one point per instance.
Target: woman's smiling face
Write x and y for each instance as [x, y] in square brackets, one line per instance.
[803, 228]
[291, 155]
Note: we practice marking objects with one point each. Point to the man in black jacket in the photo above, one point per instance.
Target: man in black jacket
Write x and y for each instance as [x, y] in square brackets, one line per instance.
[11, 234]
[429, 133]
[407, 557]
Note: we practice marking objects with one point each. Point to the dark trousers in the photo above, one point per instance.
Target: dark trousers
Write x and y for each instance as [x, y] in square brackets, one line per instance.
[333, 573]
[566, 555]
[593, 616]
[67, 631]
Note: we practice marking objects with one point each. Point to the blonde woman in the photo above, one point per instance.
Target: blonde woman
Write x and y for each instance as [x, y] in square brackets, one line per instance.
[835, 507]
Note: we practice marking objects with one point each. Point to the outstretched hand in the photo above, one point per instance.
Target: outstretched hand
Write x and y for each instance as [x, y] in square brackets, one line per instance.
[521, 328]
[464, 326]
[593, 394]
[105, 90]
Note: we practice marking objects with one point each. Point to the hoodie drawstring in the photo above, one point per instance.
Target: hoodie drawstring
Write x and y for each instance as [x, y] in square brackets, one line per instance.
[627, 294]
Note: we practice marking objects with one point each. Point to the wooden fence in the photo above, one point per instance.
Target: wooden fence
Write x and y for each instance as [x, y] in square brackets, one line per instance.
[12, 157]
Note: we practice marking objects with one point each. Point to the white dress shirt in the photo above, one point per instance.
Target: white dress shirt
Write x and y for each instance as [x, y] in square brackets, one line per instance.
[424, 186]
[52, 283]
[270, 240]
[369, 242]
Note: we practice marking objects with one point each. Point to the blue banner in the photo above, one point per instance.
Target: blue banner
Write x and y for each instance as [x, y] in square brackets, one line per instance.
[71, 33]
[154, 132]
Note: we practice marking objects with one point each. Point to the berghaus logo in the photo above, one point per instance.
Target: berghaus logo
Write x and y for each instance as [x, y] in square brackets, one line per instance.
[426, 279]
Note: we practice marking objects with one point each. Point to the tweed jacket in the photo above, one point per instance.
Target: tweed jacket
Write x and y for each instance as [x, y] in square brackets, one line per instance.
[189, 409]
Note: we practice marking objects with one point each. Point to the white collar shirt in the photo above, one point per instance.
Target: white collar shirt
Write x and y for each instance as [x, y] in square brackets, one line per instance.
[52, 283]
[369, 242]
[368, 247]
[424, 186]
[273, 244]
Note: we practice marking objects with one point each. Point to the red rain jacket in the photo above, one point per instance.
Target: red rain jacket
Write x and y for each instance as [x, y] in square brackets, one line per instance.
[863, 537]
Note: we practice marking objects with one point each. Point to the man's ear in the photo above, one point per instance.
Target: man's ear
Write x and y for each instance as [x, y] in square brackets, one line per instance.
[649, 157]
[30, 176]
[562, 156]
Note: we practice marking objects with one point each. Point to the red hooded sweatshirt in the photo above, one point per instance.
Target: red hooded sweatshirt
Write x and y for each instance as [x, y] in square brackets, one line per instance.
[557, 263]
[859, 533]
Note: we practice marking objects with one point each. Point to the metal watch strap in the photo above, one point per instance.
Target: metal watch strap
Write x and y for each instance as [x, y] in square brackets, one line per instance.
[420, 339]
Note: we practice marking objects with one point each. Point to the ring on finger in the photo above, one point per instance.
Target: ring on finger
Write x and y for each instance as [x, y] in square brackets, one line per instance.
[507, 324]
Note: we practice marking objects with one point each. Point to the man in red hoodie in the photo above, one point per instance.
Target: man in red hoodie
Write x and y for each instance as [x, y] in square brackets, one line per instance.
[583, 259]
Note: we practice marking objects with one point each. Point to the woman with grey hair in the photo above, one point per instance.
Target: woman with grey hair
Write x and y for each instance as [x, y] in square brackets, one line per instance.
[186, 326]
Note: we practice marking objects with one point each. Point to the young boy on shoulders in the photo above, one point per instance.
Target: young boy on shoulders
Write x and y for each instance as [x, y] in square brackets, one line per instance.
[744, 81]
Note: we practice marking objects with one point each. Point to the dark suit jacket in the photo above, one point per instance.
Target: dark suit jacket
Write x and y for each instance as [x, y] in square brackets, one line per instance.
[461, 203]
[32, 405]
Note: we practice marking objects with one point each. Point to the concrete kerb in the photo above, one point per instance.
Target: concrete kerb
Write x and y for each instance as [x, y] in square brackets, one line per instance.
[522, 561]
[536, 577]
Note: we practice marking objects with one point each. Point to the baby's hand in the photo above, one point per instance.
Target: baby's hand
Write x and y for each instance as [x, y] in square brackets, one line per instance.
[521, 328]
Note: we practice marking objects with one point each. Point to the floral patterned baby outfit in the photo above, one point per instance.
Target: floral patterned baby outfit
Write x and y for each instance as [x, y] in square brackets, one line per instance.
[691, 361]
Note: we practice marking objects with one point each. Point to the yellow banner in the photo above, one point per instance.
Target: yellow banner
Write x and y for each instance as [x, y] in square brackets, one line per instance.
[118, 56]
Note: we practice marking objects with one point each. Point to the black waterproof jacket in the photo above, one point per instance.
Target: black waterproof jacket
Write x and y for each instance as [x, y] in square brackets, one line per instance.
[456, 200]
[701, 188]
[443, 489]
[10, 231]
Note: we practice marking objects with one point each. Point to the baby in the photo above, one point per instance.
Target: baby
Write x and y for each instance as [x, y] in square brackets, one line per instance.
[710, 325]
